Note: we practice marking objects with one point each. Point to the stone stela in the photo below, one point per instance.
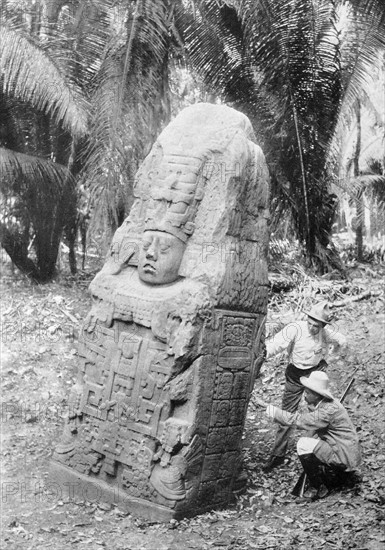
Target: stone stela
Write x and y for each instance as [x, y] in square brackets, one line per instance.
[170, 350]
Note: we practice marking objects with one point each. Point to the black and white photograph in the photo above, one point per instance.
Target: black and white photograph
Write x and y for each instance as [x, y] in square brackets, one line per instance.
[192, 270]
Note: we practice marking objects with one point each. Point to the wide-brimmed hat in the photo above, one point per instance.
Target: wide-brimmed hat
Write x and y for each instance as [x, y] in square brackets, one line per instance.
[320, 312]
[318, 381]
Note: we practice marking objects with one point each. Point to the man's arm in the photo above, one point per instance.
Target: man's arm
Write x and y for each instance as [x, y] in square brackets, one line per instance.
[311, 421]
[337, 339]
[281, 341]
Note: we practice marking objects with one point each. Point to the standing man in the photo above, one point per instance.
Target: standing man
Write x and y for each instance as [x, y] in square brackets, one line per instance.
[307, 343]
[331, 458]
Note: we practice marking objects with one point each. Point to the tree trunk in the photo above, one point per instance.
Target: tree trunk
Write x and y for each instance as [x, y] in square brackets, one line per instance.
[14, 246]
[71, 231]
[66, 153]
[359, 198]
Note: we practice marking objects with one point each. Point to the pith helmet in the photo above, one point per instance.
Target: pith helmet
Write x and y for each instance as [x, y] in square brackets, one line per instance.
[320, 312]
[318, 381]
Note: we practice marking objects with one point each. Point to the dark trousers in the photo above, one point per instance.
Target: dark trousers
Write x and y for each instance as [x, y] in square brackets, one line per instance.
[332, 476]
[291, 399]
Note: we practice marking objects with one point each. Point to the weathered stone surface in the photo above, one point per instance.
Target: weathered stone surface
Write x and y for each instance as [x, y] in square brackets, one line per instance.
[168, 353]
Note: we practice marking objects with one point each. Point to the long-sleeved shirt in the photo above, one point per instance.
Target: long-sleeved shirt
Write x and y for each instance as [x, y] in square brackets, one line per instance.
[305, 350]
[331, 423]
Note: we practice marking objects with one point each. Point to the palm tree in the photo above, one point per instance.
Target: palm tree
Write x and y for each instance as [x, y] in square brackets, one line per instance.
[286, 63]
[361, 157]
[41, 109]
[291, 65]
[130, 104]
[85, 83]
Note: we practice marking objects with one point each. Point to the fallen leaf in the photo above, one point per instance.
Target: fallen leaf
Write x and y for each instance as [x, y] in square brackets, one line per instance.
[286, 519]
[263, 529]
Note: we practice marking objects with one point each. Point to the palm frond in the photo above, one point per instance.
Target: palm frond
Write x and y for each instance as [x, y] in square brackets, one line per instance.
[130, 106]
[355, 186]
[373, 9]
[20, 172]
[35, 195]
[362, 40]
[212, 36]
[27, 73]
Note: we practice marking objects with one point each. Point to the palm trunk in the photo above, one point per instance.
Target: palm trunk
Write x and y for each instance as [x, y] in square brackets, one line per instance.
[66, 150]
[14, 246]
[359, 198]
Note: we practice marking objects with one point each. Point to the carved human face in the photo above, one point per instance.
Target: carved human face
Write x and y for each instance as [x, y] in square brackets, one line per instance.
[160, 257]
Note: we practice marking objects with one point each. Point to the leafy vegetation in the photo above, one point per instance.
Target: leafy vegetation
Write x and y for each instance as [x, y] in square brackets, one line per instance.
[88, 86]
[39, 359]
[296, 68]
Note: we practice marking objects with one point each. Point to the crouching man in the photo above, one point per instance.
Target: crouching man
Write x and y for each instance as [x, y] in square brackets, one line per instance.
[331, 454]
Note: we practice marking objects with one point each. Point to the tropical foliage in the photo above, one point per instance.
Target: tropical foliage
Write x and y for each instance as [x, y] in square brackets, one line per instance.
[87, 85]
[361, 163]
[296, 68]
[42, 109]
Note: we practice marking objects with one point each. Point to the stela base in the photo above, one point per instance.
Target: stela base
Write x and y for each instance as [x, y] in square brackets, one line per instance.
[68, 484]
[73, 485]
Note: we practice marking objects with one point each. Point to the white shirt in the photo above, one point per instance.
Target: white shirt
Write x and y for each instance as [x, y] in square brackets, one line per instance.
[305, 350]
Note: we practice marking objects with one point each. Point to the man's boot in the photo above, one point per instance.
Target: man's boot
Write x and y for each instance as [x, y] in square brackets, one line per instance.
[337, 477]
[315, 471]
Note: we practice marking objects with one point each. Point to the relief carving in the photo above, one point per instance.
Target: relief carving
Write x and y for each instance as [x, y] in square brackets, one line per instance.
[168, 353]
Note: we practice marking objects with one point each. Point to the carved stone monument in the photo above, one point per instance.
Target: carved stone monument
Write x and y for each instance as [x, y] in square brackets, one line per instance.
[168, 353]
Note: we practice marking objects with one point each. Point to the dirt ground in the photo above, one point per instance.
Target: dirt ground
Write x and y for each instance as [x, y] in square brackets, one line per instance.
[39, 338]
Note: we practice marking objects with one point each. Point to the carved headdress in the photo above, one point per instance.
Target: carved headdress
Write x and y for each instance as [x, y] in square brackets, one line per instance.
[205, 182]
[175, 198]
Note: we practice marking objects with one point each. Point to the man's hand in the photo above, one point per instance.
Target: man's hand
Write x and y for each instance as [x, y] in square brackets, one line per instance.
[259, 402]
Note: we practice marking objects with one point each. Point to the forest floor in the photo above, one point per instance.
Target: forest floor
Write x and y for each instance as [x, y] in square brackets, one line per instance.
[39, 338]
